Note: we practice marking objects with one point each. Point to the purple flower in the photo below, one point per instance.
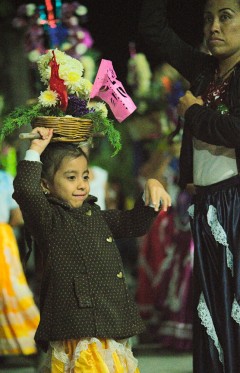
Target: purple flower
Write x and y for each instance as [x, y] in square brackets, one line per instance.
[77, 107]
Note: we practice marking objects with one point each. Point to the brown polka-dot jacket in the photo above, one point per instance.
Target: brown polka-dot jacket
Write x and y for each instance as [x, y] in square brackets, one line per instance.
[83, 292]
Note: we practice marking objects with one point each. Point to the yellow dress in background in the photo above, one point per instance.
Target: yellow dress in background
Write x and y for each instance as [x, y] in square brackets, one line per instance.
[19, 316]
[90, 355]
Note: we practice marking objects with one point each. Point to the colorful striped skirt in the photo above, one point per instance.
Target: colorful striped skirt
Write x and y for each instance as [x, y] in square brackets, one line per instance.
[90, 355]
[19, 316]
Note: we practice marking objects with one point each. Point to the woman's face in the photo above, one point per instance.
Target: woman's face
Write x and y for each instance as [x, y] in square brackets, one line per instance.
[222, 28]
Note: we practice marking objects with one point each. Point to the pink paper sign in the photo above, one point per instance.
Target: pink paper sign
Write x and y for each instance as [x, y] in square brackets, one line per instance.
[109, 89]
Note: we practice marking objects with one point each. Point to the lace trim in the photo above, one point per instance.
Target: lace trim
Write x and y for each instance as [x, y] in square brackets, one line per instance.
[219, 234]
[122, 348]
[46, 366]
[191, 211]
[206, 320]
[236, 311]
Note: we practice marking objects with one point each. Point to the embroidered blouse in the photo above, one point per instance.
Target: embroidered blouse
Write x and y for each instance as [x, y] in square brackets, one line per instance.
[213, 163]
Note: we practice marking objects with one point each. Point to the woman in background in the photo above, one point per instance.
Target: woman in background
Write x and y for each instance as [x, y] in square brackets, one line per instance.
[209, 159]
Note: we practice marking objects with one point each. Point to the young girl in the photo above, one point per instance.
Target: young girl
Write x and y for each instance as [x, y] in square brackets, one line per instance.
[87, 314]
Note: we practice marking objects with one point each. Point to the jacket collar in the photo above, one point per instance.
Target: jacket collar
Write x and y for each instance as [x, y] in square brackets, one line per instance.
[89, 201]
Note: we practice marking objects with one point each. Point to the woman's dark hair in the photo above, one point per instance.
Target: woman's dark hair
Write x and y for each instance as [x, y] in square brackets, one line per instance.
[53, 155]
[206, 1]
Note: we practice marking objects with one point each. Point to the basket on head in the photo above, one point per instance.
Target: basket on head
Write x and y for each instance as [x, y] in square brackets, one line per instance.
[66, 129]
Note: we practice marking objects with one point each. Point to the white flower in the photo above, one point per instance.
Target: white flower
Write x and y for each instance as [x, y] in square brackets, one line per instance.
[84, 89]
[81, 48]
[30, 9]
[80, 34]
[73, 21]
[89, 67]
[33, 56]
[67, 65]
[99, 106]
[66, 45]
[48, 98]
[73, 80]
[140, 74]
[81, 10]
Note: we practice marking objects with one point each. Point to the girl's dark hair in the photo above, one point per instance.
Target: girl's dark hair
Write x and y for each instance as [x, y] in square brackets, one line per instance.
[53, 155]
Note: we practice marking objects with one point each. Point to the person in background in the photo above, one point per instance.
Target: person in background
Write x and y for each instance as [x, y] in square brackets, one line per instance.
[87, 312]
[19, 316]
[210, 153]
[164, 285]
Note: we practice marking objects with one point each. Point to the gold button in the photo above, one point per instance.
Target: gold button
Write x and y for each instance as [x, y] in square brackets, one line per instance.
[89, 213]
[109, 239]
[120, 275]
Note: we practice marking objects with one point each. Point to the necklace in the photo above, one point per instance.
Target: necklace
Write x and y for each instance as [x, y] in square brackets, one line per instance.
[219, 79]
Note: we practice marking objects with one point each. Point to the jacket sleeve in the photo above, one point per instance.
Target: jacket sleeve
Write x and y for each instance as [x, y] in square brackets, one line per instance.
[212, 127]
[130, 223]
[32, 202]
[162, 43]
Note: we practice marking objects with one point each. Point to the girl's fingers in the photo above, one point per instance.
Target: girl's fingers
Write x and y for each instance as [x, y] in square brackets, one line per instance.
[44, 132]
[166, 202]
[146, 197]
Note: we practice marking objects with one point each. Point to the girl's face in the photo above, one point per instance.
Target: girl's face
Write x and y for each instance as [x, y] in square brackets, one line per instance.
[222, 28]
[71, 181]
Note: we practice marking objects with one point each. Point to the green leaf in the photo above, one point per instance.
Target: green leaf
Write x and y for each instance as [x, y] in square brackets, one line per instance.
[23, 115]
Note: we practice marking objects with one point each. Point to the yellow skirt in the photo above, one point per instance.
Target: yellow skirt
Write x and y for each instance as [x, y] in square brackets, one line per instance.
[90, 355]
[19, 316]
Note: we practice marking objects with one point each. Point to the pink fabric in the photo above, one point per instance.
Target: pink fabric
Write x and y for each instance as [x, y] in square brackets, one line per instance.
[109, 89]
[164, 292]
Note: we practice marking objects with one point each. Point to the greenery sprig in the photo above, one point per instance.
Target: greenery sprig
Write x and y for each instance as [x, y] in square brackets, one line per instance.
[23, 115]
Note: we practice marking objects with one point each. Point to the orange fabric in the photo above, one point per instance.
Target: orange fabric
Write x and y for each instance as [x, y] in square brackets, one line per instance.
[19, 316]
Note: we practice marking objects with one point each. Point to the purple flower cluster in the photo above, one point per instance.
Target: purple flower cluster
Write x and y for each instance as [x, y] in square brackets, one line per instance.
[39, 36]
[77, 107]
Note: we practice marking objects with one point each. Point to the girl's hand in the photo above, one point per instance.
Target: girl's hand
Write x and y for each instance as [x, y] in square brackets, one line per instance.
[186, 101]
[156, 194]
[40, 144]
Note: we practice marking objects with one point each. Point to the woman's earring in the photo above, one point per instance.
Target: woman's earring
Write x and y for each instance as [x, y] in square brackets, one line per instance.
[45, 192]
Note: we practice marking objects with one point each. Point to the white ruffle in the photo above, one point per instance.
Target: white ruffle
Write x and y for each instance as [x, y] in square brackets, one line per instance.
[236, 311]
[122, 348]
[206, 320]
[219, 234]
[191, 211]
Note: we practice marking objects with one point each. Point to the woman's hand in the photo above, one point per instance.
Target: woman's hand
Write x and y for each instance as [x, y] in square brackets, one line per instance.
[186, 101]
[40, 144]
[155, 194]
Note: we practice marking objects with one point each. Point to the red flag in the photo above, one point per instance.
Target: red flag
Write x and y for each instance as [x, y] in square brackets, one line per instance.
[57, 84]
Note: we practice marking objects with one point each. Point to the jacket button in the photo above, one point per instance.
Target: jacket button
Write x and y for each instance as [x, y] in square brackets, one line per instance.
[109, 239]
[89, 213]
[120, 275]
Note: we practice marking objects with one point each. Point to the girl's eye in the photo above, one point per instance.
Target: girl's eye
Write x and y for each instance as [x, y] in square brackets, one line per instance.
[71, 177]
[86, 177]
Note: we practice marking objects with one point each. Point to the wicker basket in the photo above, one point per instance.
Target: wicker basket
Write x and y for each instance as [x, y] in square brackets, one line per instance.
[66, 129]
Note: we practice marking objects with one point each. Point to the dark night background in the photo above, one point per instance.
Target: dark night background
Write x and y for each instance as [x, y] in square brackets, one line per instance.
[113, 25]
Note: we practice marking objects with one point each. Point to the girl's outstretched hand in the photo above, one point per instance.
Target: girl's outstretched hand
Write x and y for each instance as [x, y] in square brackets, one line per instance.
[40, 144]
[155, 194]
